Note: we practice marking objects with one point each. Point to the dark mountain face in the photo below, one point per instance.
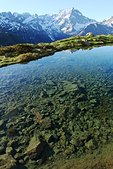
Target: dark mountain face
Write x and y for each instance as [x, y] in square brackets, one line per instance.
[27, 35]
[8, 38]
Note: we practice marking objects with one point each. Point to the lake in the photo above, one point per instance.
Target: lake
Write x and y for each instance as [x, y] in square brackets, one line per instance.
[66, 100]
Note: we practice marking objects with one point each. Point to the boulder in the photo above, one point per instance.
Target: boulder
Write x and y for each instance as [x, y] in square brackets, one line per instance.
[85, 42]
[2, 150]
[89, 34]
[50, 82]
[51, 138]
[46, 124]
[10, 151]
[89, 144]
[36, 149]
[1, 123]
[2, 133]
[10, 114]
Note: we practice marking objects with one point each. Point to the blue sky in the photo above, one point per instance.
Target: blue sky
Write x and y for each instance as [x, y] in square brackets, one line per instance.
[96, 9]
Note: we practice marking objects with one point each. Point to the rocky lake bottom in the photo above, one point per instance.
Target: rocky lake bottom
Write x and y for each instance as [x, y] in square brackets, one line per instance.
[58, 107]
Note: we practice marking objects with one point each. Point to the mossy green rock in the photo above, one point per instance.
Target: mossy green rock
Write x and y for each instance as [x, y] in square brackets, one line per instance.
[9, 151]
[35, 148]
[7, 162]
[2, 150]
[1, 123]
[89, 144]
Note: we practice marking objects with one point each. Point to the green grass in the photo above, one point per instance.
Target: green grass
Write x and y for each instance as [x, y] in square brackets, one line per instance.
[22, 53]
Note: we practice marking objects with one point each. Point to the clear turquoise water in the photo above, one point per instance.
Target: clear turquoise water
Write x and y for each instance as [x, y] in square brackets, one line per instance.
[92, 68]
[72, 90]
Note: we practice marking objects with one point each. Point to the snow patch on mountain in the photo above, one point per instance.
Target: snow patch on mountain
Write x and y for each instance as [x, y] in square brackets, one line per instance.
[69, 22]
[108, 22]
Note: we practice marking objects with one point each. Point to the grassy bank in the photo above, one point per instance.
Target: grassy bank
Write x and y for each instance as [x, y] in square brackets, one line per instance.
[23, 53]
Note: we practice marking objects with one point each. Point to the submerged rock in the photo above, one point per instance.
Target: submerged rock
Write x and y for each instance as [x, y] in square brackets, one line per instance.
[50, 82]
[43, 94]
[46, 124]
[1, 123]
[2, 133]
[51, 138]
[2, 150]
[70, 87]
[51, 92]
[7, 162]
[10, 151]
[14, 112]
[37, 149]
[11, 132]
[89, 144]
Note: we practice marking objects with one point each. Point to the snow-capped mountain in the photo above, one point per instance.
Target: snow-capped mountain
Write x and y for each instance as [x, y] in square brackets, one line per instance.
[97, 29]
[45, 28]
[49, 25]
[27, 28]
[108, 22]
[105, 27]
[71, 21]
[67, 22]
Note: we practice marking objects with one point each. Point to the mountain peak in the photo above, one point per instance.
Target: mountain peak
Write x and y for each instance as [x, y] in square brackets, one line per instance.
[6, 14]
[68, 12]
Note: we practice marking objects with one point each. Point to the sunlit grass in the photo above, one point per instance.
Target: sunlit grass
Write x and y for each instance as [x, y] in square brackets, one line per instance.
[21, 53]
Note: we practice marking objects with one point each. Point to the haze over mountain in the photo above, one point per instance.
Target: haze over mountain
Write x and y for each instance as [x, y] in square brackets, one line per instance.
[27, 28]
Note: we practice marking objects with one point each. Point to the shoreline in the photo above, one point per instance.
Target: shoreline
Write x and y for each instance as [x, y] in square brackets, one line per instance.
[24, 53]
